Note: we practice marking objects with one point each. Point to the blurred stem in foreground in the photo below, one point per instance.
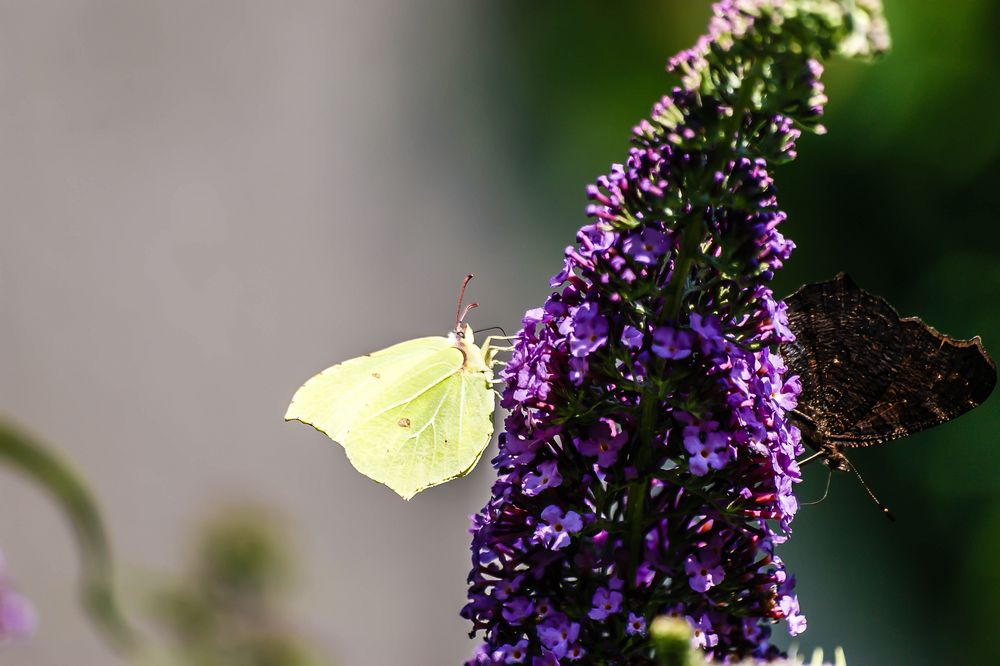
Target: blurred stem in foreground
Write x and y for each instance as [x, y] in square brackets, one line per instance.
[25, 454]
[223, 615]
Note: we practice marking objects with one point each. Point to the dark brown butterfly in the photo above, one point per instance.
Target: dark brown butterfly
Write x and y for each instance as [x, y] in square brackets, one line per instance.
[869, 376]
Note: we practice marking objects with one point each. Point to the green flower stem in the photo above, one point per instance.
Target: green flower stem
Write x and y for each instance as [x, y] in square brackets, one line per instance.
[691, 239]
[28, 456]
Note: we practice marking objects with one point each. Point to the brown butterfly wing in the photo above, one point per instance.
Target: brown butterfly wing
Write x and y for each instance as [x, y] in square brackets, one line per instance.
[869, 376]
[939, 379]
[839, 329]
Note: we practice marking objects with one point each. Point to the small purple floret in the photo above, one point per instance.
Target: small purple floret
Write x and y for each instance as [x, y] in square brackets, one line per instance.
[605, 603]
[647, 246]
[590, 330]
[632, 337]
[558, 527]
[546, 477]
[703, 574]
[604, 439]
[636, 625]
[671, 343]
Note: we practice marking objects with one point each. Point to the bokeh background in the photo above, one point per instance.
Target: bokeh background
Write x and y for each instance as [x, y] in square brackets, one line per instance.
[202, 204]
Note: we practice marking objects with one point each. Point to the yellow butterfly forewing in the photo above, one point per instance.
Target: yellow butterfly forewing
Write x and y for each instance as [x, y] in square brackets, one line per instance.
[410, 416]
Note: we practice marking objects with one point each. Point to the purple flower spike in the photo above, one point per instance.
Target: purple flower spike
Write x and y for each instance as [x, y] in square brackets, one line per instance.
[671, 343]
[647, 464]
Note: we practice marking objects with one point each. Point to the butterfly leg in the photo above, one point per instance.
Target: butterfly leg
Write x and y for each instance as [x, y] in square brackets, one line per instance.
[806, 461]
[490, 351]
[488, 342]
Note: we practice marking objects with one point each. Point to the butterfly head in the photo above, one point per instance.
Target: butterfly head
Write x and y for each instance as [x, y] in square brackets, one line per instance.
[476, 359]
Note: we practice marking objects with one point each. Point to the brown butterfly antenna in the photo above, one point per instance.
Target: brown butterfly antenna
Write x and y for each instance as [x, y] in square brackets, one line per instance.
[883, 507]
[459, 312]
[843, 464]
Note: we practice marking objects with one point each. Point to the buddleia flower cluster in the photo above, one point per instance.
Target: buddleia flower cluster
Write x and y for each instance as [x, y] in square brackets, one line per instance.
[647, 465]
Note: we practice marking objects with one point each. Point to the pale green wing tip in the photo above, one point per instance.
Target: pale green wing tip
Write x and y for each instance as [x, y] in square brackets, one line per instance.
[410, 492]
[294, 411]
[407, 492]
[292, 414]
[405, 495]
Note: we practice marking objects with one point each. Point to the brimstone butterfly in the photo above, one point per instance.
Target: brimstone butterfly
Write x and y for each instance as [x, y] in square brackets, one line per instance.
[411, 416]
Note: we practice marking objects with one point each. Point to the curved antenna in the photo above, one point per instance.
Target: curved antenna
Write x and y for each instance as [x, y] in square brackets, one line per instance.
[459, 315]
[881, 506]
[468, 307]
[492, 328]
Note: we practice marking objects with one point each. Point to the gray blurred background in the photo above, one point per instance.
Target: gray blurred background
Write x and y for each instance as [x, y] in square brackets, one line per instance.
[202, 204]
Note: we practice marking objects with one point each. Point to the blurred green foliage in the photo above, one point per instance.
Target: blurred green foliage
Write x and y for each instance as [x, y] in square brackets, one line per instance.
[901, 194]
[227, 611]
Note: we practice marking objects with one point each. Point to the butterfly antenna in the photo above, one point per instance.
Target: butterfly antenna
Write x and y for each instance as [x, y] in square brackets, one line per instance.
[493, 328]
[881, 506]
[468, 307]
[459, 315]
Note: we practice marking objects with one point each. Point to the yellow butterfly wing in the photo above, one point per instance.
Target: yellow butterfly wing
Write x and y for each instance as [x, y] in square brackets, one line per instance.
[410, 416]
